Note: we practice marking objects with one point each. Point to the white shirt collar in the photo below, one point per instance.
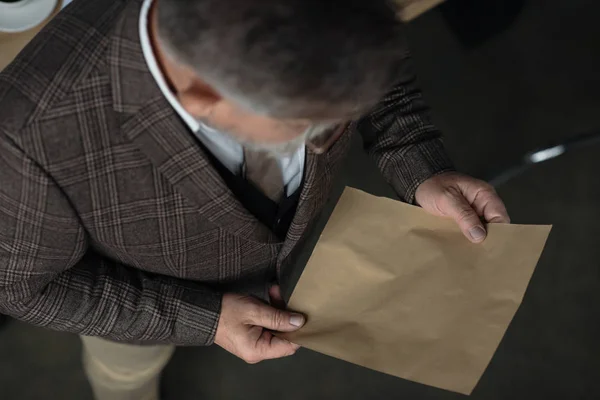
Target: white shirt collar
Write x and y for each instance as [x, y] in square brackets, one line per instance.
[155, 69]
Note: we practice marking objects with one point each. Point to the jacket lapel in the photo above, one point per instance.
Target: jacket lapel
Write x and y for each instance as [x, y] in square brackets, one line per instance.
[319, 173]
[154, 127]
[312, 197]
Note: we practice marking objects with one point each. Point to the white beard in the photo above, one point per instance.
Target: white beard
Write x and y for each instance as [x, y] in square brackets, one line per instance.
[279, 149]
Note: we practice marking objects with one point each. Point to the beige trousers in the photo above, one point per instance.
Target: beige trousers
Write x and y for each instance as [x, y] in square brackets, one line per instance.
[119, 371]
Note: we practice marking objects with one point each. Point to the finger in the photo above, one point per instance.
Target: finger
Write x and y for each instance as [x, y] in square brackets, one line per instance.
[458, 208]
[492, 209]
[270, 347]
[486, 202]
[275, 319]
[276, 298]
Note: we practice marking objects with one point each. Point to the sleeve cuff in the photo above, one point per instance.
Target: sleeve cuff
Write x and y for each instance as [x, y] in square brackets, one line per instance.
[198, 317]
[419, 162]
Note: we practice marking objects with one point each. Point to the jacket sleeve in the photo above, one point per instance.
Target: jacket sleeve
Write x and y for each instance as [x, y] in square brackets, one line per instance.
[49, 277]
[399, 135]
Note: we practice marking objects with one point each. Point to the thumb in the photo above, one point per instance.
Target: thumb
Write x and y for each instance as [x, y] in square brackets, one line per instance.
[277, 320]
[465, 216]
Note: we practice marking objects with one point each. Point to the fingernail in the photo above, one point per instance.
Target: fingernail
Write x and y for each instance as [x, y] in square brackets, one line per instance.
[297, 320]
[477, 233]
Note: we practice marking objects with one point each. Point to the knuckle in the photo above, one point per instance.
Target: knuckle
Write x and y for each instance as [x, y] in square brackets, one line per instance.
[488, 192]
[292, 351]
[464, 214]
[277, 318]
[488, 187]
[253, 360]
[253, 310]
[289, 351]
[449, 193]
[250, 357]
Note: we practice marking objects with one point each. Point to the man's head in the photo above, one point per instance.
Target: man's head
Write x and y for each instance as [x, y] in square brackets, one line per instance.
[267, 70]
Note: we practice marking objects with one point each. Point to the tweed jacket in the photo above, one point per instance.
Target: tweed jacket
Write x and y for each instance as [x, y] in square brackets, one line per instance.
[113, 221]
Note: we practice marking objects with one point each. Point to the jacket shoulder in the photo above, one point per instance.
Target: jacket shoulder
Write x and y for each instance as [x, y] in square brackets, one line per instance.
[63, 54]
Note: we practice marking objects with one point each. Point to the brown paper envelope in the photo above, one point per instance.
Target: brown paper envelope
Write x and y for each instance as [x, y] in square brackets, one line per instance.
[392, 288]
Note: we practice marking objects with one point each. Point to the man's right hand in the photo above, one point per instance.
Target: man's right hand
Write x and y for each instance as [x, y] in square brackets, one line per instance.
[245, 324]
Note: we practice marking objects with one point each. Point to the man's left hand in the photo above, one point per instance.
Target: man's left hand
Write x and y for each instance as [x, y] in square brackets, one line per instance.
[467, 200]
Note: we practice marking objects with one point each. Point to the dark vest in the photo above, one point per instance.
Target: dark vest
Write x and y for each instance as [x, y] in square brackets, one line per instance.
[276, 216]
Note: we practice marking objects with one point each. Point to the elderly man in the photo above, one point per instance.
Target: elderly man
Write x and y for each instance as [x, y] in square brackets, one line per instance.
[161, 161]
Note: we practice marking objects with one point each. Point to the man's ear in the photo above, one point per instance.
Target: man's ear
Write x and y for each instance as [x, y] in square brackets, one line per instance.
[199, 99]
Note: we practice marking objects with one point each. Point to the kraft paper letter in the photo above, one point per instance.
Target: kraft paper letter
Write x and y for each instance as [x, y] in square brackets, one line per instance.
[394, 289]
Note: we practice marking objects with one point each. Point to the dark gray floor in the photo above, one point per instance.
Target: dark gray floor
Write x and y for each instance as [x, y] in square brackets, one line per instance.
[531, 85]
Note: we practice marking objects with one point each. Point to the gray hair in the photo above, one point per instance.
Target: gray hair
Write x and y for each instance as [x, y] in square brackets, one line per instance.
[288, 58]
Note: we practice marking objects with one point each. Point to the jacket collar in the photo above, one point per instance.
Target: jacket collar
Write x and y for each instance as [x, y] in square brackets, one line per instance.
[132, 84]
